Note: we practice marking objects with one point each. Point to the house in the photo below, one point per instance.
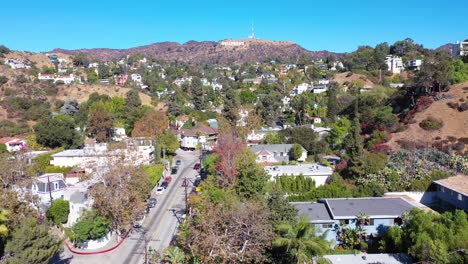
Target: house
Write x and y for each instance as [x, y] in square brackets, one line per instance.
[257, 80]
[199, 136]
[319, 89]
[13, 144]
[453, 191]
[394, 64]
[74, 176]
[330, 215]
[179, 81]
[66, 79]
[274, 153]
[460, 49]
[324, 82]
[299, 89]
[364, 258]
[254, 137]
[16, 64]
[48, 187]
[316, 119]
[414, 64]
[337, 65]
[119, 134]
[320, 174]
[181, 120]
[136, 78]
[80, 201]
[122, 79]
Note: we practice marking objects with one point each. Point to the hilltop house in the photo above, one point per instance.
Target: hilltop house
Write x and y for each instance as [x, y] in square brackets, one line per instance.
[274, 153]
[199, 136]
[13, 144]
[373, 214]
[453, 191]
[320, 174]
[394, 64]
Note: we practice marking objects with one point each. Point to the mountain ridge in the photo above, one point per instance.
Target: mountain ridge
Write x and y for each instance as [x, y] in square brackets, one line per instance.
[226, 51]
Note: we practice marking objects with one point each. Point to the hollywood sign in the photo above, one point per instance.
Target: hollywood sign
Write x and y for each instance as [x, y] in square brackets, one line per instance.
[232, 43]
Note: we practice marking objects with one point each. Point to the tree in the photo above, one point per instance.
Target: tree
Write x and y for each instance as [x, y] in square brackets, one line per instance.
[58, 211]
[152, 124]
[90, 226]
[103, 71]
[92, 77]
[280, 210]
[32, 243]
[354, 147]
[299, 240]
[101, 124]
[251, 176]
[272, 138]
[296, 151]
[133, 101]
[120, 194]
[301, 105]
[174, 255]
[228, 148]
[81, 60]
[247, 97]
[3, 220]
[169, 142]
[332, 105]
[338, 133]
[197, 93]
[70, 107]
[58, 131]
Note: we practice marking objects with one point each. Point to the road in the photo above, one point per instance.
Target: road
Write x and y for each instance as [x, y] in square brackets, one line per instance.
[159, 227]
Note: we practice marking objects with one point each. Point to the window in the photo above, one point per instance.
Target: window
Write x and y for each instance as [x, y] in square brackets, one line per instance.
[281, 154]
[56, 185]
[346, 222]
[442, 189]
[264, 157]
[371, 222]
[460, 197]
[327, 225]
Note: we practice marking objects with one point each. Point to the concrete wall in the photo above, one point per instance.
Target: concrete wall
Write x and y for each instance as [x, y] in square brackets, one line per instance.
[95, 244]
[426, 198]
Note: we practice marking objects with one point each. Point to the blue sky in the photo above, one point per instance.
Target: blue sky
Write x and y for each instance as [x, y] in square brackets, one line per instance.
[339, 26]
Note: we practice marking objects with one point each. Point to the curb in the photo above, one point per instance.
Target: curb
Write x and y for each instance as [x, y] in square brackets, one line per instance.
[95, 252]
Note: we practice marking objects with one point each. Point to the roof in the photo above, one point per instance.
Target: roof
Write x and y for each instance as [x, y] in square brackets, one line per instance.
[296, 170]
[204, 130]
[79, 197]
[87, 152]
[457, 183]
[374, 207]
[370, 258]
[273, 148]
[42, 182]
[315, 212]
[9, 139]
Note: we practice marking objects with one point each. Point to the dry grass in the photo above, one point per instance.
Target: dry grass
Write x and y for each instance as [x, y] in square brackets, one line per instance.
[455, 122]
[342, 78]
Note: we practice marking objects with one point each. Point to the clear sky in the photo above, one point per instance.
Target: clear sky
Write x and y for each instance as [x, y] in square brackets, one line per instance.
[340, 26]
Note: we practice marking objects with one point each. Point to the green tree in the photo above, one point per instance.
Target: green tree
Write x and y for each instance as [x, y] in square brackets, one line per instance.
[281, 210]
[299, 240]
[90, 226]
[296, 151]
[81, 60]
[101, 124]
[354, 147]
[247, 97]
[58, 211]
[58, 131]
[132, 101]
[3, 148]
[252, 176]
[92, 77]
[198, 93]
[32, 243]
[332, 104]
[272, 138]
[338, 133]
[175, 255]
[169, 142]
[103, 71]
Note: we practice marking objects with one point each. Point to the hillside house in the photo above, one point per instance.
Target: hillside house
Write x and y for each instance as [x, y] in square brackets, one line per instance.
[460, 49]
[66, 79]
[394, 64]
[47, 187]
[453, 191]
[179, 81]
[414, 64]
[374, 214]
[198, 137]
[320, 174]
[16, 64]
[121, 79]
[80, 201]
[255, 137]
[13, 144]
[275, 153]
[319, 89]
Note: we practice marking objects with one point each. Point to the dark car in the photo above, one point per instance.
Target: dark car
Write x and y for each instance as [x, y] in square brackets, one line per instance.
[197, 166]
[152, 202]
[196, 182]
[203, 174]
[178, 162]
[164, 185]
[174, 170]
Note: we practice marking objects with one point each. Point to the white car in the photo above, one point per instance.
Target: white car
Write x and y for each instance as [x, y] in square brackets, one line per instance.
[160, 190]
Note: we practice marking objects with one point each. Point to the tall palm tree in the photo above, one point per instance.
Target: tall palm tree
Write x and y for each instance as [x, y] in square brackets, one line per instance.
[299, 239]
[175, 255]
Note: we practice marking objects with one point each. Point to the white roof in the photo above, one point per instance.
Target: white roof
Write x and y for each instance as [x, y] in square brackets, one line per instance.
[296, 170]
[369, 258]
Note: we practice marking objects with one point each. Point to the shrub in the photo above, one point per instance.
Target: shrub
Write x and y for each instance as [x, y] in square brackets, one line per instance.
[431, 124]
[463, 107]
[58, 211]
[363, 246]
[453, 105]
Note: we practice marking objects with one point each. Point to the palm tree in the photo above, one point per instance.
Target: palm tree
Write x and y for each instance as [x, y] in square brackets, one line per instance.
[174, 255]
[301, 242]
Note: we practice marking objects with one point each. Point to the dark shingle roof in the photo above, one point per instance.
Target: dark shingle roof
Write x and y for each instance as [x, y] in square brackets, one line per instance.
[315, 212]
[374, 207]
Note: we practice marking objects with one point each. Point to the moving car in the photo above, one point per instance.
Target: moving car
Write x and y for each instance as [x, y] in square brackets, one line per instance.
[160, 189]
[152, 202]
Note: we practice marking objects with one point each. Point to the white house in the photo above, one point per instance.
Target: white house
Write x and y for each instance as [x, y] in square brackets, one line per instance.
[414, 64]
[136, 77]
[180, 81]
[119, 134]
[67, 79]
[80, 201]
[319, 89]
[318, 173]
[299, 89]
[460, 49]
[324, 82]
[47, 187]
[394, 64]
[199, 136]
[275, 153]
[13, 144]
[16, 64]
[255, 137]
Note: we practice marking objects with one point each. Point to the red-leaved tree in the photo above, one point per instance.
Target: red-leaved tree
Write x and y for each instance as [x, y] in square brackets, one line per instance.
[228, 147]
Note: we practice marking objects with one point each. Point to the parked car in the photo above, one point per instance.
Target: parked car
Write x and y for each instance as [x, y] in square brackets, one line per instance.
[197, 182]
[178, 162]
[197, 166]
[152, 202]
[174, 170]
[164, 185]
[147, 210]
[160, 189]
[139, 221]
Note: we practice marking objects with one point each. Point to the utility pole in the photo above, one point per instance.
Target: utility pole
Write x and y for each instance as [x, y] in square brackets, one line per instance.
[50, 191]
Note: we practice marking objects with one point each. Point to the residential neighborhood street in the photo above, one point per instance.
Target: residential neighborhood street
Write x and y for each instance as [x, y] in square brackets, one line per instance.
[159, 227]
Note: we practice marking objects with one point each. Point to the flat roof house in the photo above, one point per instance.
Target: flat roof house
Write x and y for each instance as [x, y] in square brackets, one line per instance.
[454, 191]
[318, 173]
[333, 214]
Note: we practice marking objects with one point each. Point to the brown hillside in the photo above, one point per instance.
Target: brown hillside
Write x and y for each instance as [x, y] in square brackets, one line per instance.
[455, 123]
[37, 59]
[341, 78]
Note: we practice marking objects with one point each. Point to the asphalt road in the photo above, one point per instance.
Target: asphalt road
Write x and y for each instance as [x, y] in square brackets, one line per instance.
[159, 227]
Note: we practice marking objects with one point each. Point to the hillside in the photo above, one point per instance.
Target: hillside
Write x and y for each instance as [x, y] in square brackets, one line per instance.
[454, 127]
[349, 77]
[208, 52]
